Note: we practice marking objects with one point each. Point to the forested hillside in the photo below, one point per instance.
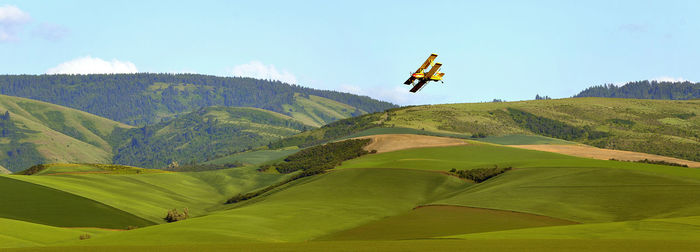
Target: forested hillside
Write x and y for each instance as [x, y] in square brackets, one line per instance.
[200, 136]
[669, 128]
[646, 90]
[145, 98]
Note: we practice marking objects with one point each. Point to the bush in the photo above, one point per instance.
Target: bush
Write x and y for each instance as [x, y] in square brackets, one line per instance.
[174, 215]
[85, 236]
[479, 175]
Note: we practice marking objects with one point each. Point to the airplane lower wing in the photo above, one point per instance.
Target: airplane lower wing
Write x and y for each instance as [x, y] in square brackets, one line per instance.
[418, 86]
[410, 80]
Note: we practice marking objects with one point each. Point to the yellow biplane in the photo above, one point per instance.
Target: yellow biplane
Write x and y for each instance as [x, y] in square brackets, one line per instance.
[425, 77]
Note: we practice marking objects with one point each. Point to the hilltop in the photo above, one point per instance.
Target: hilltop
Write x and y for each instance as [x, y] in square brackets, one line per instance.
[146, 98]
[669, 128]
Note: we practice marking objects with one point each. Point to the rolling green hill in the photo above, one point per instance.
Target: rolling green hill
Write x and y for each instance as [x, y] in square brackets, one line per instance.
[398, 195]
[145, 98]
[44, 205]
[36, 132]
[669, 128]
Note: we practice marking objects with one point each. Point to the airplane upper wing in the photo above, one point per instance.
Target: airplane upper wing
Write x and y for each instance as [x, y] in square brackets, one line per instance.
[418, 86]
[433, 70]
[427, 63]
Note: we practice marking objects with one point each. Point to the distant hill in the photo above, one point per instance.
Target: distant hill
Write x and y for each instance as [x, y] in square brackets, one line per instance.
[33, 132]
[646, 90]
[201, 135]
[669, 128]
[145, 98]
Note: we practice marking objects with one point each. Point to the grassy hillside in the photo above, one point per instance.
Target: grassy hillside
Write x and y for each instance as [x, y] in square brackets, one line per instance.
[17, 234]
[145, 98]
[44, 205]
[63, 169]
[406, 194]
[669, 128]
[305, 209]
[37, 132]
[150, 196]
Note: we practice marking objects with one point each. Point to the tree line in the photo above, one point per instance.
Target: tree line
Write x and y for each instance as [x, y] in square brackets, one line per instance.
[646, 90]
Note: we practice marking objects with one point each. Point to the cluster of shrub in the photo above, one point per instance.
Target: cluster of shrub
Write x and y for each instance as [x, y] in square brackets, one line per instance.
[33, 170]
[195, 167]
[553, 128]
[175, 215]
[310, 161]
[658, 162]
[323, 157]
[479, 175]
[331, 131]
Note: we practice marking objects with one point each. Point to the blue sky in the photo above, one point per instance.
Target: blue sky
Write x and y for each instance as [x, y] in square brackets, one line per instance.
[508, 50]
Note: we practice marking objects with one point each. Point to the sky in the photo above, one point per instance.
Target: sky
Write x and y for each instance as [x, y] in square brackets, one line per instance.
[510, 50]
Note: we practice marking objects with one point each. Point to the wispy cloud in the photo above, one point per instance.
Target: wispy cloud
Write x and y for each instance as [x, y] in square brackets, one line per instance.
[90, 65]
[669, 79]
[12, 19]
[50, 31]
[256, 69]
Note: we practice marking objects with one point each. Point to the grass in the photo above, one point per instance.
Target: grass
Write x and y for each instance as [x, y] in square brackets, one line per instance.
[565, 187]
[55, 169]
[685, 228]
[43, 205]
[14, 234]
[434, 221]
[150, 196]
[412, 245]
[306, 209]
[255, 157]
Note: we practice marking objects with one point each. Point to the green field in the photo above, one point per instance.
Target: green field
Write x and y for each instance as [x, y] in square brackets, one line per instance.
[403, 200]
[150, 196]
[435, 221]
[44, 205]
[255, 157]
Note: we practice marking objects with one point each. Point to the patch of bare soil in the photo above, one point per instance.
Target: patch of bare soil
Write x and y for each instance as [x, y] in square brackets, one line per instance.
[604, 154]
[394, 142]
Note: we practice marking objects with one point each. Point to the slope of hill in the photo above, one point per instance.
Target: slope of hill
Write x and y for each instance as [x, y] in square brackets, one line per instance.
[668, 128]
[646, 90]
[143, 98]
[34, 132]
[398, 195]
[201, 135]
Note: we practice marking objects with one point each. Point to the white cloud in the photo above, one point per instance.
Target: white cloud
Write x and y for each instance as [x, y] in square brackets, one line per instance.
[90, 65]
[11, 21]
[256, 69]
[669, 79]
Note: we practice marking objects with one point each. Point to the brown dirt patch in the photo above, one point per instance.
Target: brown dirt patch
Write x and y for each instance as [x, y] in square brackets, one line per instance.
[604, 154]
[394, 142]
[81, 172]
